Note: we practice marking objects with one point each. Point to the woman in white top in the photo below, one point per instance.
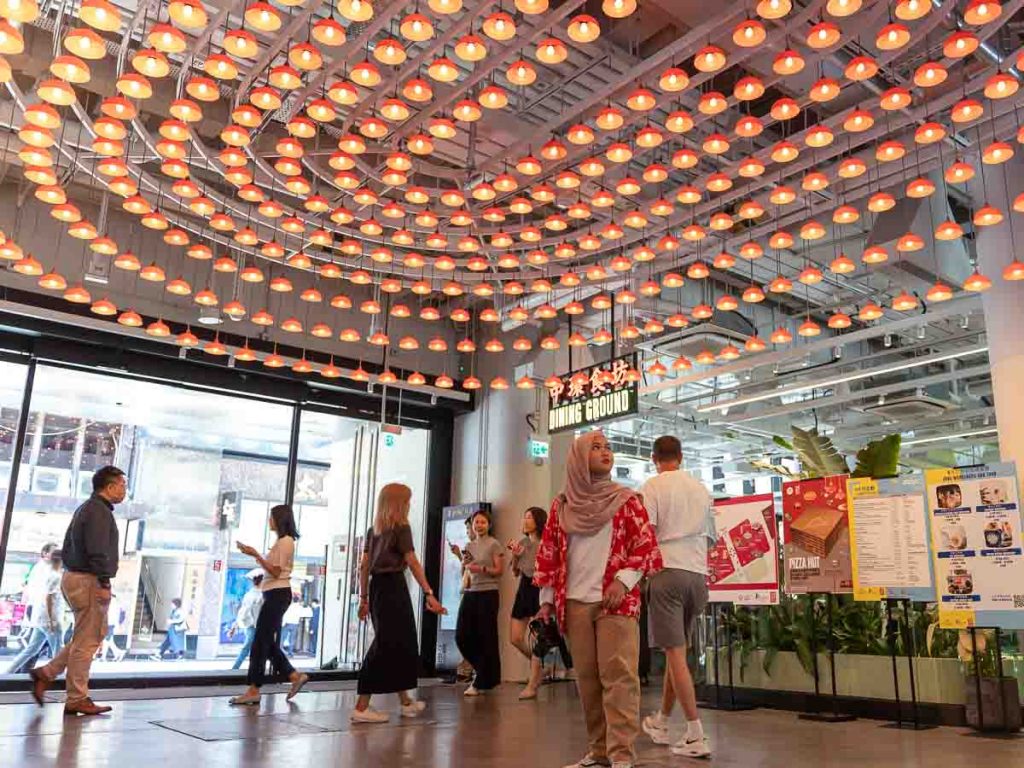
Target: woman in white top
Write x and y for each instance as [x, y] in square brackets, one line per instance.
[277, 596]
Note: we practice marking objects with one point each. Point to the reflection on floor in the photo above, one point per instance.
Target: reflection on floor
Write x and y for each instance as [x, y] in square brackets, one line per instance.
[142, 666]
[493, 731]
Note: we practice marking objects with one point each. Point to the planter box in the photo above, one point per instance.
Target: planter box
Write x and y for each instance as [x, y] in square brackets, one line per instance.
[938, 680]
[1000, 704]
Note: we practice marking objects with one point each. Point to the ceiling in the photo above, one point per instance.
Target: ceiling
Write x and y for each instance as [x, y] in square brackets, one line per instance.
[783, 182]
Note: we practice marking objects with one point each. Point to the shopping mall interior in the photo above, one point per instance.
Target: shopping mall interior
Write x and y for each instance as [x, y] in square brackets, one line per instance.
[290, 252]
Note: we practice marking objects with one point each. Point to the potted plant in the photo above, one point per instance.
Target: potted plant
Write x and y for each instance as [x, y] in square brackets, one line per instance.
[999, 705]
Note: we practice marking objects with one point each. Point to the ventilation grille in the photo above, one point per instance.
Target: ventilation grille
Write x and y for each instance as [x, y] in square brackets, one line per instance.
[908, 408]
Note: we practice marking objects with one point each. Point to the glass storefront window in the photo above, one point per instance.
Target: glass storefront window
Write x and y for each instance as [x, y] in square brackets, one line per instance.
[204, 470]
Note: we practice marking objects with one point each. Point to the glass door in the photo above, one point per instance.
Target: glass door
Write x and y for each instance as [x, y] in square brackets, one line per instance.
[356, 459]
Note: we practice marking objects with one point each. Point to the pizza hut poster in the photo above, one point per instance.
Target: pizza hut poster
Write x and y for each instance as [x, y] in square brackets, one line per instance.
[816, 531]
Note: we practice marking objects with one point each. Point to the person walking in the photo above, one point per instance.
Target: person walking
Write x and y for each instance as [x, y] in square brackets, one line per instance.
[597, 546]
[391, 664]
[109, 644]
[174, 639]
[476, 626]
[44, 613]
[277, 596]
[527, 600]
[90, 554]
[680, 510]
[248, 613]
[290, 626]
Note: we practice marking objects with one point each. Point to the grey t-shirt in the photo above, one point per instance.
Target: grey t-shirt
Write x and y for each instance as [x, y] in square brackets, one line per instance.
[388, 550]
[528, 560]
[483, 551]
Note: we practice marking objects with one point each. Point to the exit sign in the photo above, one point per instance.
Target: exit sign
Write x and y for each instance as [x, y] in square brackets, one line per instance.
[539, 449]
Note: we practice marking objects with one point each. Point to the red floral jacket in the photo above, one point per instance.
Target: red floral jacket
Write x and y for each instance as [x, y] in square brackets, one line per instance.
[634, 547]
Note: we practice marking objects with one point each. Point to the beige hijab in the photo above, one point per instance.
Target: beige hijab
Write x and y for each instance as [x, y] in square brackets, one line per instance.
[589, 501]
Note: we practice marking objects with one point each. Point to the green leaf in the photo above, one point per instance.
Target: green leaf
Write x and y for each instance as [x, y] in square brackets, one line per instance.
[818, 455]
[769, 657]
[776, 468]
[782, 442]
[879, 458]
[803, 653]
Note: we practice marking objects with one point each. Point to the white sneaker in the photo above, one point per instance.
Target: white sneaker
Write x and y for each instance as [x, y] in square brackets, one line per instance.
[413, 708]
[471, 691]
[369, 715]
[656, 726]
[691, 748]
[588, 761]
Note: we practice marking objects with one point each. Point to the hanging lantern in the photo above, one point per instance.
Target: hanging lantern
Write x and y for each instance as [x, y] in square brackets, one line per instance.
[870, 311]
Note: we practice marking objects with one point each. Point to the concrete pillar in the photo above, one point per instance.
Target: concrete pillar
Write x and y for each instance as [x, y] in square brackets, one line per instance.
[1003, 304]
[492, 463]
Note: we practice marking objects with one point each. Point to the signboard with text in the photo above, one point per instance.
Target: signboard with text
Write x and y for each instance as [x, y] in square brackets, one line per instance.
[977, 550]
[889, 538]
[743, 563]
[593, 395]
[817, 536]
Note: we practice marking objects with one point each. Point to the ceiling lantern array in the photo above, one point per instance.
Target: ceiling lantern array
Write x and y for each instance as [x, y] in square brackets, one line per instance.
[287, 150]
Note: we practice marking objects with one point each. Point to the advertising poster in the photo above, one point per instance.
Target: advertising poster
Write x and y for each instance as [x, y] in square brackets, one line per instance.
[976, 542]
[743, 563]
[817, 536]
[889, 538]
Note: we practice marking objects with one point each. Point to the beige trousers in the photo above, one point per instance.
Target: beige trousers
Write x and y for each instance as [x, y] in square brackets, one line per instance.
[82, 592]
[606, 651]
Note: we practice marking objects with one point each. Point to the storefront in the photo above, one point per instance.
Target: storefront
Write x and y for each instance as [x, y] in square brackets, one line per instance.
[205, 464]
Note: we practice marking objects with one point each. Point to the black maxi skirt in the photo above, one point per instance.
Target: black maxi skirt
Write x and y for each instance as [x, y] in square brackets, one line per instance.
[391, 664]
[476, 635]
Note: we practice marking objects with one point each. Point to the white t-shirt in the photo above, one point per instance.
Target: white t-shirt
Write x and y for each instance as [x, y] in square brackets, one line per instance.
[282, 554]
[46, 581]
[293, 614]
[679, 505]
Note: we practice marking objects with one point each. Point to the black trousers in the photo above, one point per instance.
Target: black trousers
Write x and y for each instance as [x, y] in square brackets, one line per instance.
[391, 664]
[266, 643]
[476, 635]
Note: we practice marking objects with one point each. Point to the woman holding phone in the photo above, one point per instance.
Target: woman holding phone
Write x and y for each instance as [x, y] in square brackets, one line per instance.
[391, 664]
[277, 596]
[476, 629]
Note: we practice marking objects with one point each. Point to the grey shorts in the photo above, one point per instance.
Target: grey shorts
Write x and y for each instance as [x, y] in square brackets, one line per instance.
[675, 598]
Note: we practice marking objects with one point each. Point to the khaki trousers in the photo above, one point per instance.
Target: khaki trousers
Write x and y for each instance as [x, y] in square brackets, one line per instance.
[606, 650]
[81, 590]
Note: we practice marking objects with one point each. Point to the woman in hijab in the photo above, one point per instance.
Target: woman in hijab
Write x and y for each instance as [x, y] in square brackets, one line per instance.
[598, 545]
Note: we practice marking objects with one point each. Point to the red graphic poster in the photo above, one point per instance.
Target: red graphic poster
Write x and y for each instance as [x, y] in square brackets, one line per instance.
[817, 536]
[743, 564]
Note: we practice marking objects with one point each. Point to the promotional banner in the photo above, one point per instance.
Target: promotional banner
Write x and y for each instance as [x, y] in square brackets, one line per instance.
[817, 536]
[743, 564]
[976, 541]
[889, 538]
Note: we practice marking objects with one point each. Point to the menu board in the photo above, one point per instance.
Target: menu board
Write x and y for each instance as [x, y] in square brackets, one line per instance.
[817, 536]
[889, 539]
[743, 564]
[976, 542]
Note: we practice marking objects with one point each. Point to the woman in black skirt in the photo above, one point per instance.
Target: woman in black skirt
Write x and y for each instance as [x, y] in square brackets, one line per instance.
[527, 602]
[391, 664]
[476, 629]
[277, 596]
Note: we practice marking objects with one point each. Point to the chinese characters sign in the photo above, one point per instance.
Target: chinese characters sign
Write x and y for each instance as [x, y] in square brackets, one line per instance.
[592, 395]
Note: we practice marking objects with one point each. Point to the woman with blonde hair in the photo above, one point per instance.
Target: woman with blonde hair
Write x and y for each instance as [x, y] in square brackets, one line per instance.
[391, 664]
[597, 546]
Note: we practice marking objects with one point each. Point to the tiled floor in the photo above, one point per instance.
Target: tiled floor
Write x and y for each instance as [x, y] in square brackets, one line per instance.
[495, 731]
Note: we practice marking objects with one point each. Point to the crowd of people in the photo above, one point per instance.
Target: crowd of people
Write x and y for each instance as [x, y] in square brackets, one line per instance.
[582, 569]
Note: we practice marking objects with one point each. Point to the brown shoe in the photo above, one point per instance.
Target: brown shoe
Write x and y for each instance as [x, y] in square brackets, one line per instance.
[40, 684]
[86, 707]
